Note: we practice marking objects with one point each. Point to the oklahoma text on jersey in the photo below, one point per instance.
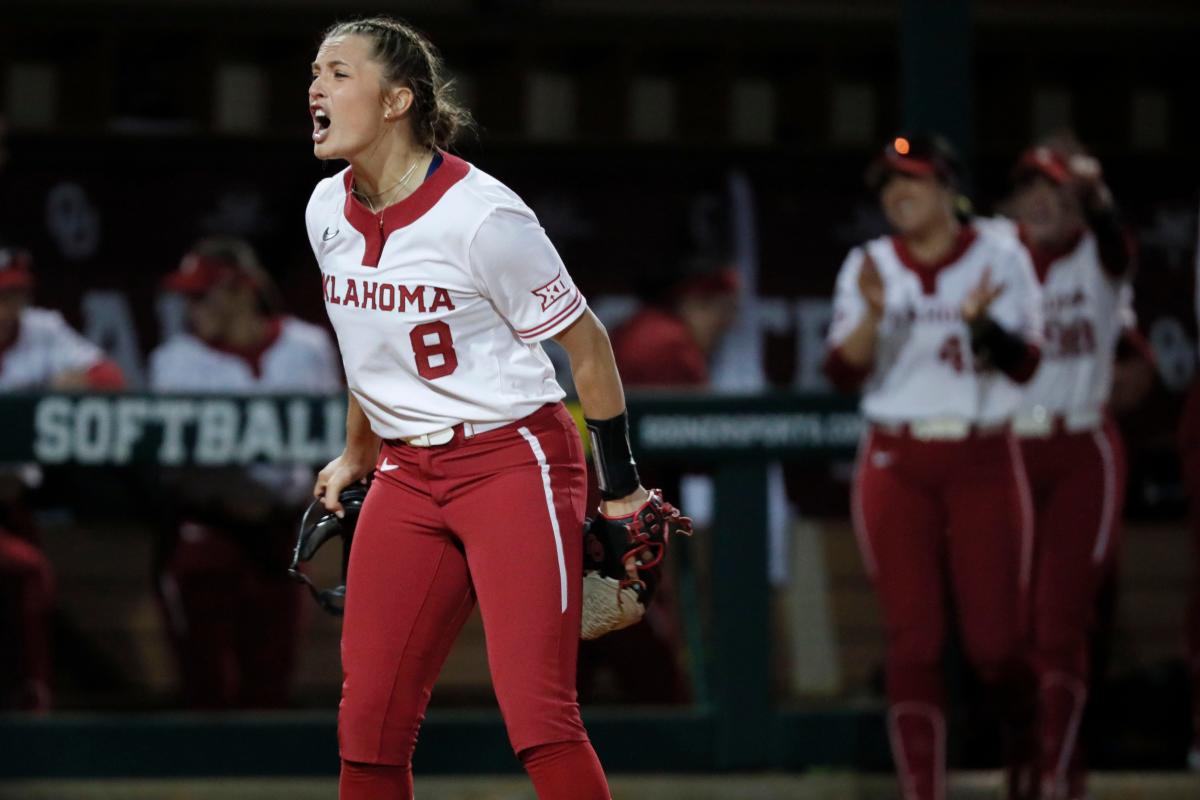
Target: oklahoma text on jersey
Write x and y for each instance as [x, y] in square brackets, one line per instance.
[441, 301]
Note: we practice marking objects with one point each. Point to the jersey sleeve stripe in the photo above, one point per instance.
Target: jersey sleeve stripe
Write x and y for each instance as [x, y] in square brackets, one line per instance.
[538, 330]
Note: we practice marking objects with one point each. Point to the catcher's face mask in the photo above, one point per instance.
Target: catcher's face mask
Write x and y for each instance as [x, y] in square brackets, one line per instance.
[319, 525]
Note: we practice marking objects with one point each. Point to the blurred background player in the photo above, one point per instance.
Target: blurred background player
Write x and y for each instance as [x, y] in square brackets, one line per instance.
[667, 344]
[38, 351]
[937, 325]
[670, 340]
[232, 613]
[1074, 456]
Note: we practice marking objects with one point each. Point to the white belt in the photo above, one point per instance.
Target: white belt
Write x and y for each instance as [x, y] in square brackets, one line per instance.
[1041, 424]
[445, 435]
[940, 429]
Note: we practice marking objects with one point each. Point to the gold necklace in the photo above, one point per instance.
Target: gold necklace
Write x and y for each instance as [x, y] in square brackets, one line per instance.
[403, 180]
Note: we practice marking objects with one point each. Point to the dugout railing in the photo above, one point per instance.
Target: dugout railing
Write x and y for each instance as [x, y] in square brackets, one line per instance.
[733, 725]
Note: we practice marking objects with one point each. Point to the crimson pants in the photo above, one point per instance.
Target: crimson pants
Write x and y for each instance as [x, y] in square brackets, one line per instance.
[495, 518]
[28, 585]
[930, 515]
[1078, 483]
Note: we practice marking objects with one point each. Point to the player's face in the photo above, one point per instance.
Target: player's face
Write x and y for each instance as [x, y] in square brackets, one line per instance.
[345, 98]
[208, 313]
[913, 203]
[12, 302]
[1045, 209]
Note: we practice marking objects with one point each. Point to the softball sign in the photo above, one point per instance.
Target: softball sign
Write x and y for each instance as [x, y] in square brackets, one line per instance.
[172, 430]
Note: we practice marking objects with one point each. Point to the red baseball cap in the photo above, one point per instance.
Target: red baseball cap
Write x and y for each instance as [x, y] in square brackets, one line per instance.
[16, 268]
[198, 274]
[919, 155]
[1044, 161]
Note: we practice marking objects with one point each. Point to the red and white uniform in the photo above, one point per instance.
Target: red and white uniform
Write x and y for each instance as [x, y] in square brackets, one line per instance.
[45, 347]
[939, 487]
[296, 357]
[233, 614]
[442, 325]
[1075, 460]
[439, 303]
[1085, 309]
[923, 368]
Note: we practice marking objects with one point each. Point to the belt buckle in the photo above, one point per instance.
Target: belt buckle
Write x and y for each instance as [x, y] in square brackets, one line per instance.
[440, 437]
[431, 439]
[944, 429]
[1037, 424]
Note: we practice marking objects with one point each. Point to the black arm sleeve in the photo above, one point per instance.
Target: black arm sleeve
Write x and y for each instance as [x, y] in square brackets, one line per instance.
[994, 346]
[616, 471]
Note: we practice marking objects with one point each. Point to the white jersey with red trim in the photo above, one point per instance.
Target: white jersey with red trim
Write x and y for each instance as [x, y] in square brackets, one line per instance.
[45, 347]
[441, 301]
[924, 368]
[297, 357]
[1085, 311]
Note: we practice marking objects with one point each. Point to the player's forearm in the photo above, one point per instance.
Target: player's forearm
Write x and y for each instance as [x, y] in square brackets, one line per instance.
[598, 384]
[858, 348]
[593, 368]
[1113, 244]
[359, 436]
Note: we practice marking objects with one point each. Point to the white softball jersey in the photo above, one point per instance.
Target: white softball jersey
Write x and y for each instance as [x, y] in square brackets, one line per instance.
[924, 367]
[46, 346]
[298, 358]
[440, 302]
[1085, 310]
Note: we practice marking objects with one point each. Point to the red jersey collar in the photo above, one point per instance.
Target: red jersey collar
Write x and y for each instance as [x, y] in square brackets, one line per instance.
[928, 272]
[1043, 258]
[376, 227]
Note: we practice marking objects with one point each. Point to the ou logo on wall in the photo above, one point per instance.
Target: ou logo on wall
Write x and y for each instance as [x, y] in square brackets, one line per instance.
[73, 221]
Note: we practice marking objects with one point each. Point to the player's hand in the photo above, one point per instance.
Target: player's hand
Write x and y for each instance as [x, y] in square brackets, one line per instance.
[980, 298]
[350, 467]
[1087, 178]
[870, 286]
[626, 507]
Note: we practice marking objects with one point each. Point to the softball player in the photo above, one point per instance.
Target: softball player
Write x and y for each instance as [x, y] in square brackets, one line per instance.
[937, 326]
[231, 612]
[1075, 459]
[38, 351]
[441, 285]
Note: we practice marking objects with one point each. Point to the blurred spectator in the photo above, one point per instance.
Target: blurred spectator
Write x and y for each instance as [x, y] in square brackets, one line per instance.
[233, 615]
[667, 344]
[38, 351]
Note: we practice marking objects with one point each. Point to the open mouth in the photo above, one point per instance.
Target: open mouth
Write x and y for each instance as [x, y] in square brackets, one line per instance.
[321, 124]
